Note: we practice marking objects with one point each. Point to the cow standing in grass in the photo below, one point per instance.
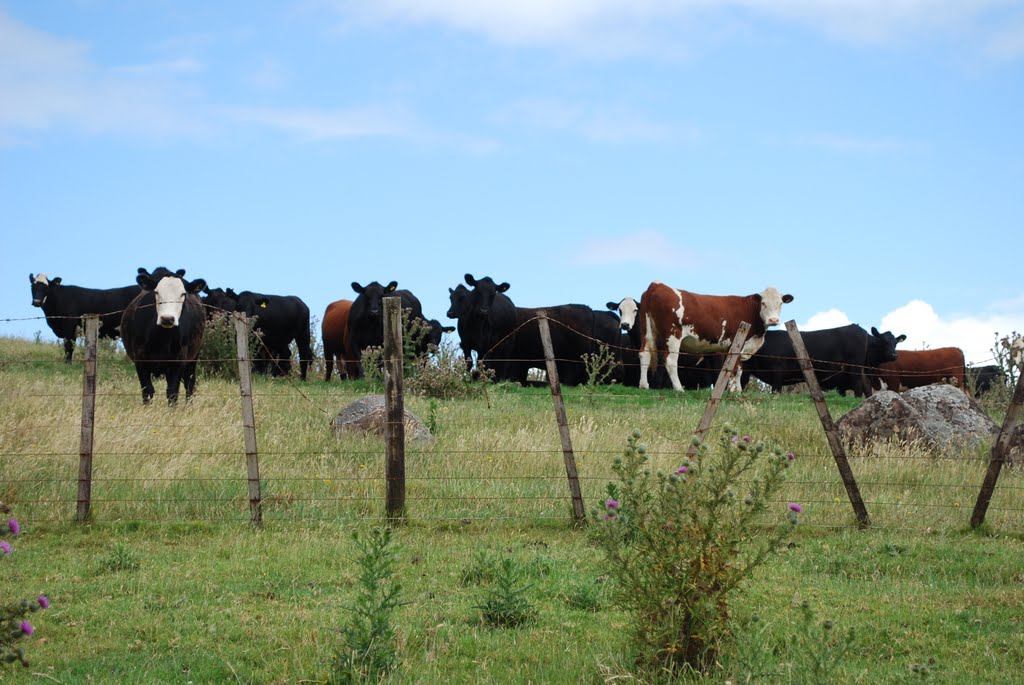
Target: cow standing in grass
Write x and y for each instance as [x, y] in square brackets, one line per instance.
[278, 319]
[701, 324]
[162, 329]
[917, 368]
[334, 333]
[65, 305]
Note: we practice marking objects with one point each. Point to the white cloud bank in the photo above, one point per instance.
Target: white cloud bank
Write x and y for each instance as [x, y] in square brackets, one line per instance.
[926, 329]
[643, 26]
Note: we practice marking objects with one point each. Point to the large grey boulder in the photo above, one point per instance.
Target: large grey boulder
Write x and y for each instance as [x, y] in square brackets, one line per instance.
[941, 416]
[369, 414]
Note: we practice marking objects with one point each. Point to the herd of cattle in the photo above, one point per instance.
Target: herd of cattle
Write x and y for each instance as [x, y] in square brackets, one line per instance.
[671, 338]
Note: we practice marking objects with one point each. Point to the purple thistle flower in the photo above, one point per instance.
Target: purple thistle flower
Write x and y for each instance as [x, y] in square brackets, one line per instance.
[682, 469]
[790, 456]
[612, 504]
[26, 628]
[15, 528]
[735, 438]
[796, 507]
[746, 438]
[44, 603]
[5, 547]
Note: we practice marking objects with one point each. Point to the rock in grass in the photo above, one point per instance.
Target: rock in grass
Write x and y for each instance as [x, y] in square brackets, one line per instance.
[942, 416]
[368, 415]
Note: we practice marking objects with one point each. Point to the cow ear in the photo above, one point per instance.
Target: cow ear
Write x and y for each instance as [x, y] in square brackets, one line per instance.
[231, 293]
[144, 281]
[262, 303]
[391, 286]
[451, 291]
[787, 298]
[358, 288]
[180, 273]
[503, 287]
[614, 306]
[55, 281]
[31, 278]
[196, 286]
[448, 329]
[206, 288]
[470, 280]
[901, 338]
[874, 331]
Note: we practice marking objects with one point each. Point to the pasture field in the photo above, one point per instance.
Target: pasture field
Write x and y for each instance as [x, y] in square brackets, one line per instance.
[169, 583]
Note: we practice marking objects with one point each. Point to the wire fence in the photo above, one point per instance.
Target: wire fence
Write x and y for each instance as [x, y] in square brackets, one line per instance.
[495, 455]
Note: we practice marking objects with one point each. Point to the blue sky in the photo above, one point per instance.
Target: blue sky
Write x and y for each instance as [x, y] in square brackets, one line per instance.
[866, 156]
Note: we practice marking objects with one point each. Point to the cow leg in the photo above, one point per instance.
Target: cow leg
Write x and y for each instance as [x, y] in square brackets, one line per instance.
[645, 363]
[190, 381]
[305, 355]
[735, 384]
[672, 362]
[69, 349]
[173, 383]
[329, 366]
[145, 381]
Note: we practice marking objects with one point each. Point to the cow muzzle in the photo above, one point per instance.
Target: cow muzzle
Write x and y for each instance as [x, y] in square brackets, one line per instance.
[624, 327]
[773, 322]
[38, 303]
[167, 322]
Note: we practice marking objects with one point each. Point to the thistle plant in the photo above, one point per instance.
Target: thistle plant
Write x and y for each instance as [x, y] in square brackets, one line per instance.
[368, 652]
[14, 615]
[505, 604]
[678, 545]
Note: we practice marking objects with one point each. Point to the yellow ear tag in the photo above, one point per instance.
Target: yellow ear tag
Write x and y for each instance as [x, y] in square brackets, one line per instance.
[263, 304]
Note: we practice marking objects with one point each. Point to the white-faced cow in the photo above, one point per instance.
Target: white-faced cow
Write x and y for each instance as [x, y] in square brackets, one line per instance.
[701, 324]
[65, 305]
[843, 358]
[163, 329]
[279, 320]
[1017, 352]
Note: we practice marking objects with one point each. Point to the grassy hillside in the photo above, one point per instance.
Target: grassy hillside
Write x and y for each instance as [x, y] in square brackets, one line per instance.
[169, 584]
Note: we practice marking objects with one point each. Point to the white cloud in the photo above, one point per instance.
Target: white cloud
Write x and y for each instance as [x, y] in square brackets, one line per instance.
[47, 82]
[641, 26]
[833, 318]
[317, 124]
[648, 248]
[974, 334]
[926, 329]
[607, 125]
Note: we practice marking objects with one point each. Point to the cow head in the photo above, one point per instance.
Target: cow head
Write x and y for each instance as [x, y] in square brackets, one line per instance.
[627, 310]
[460, 297]
[374, 295]
[882, 347]
[219, 299]
[771, 305]
[41, 288]
[170, 290]
[250, 304]
[436, 331]
[484, 292]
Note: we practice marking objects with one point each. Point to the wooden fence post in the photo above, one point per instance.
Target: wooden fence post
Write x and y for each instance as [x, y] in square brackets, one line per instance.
[834, 442]
[999, 447]
[92, 328]
[725, 377]
[394, 426]
[578, 512]
[252, 462]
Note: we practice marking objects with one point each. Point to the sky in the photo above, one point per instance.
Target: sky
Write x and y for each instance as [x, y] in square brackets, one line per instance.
[865, 156]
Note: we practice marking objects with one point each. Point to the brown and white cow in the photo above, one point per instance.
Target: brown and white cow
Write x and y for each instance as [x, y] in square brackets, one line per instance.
[916, 368]
[701, 324]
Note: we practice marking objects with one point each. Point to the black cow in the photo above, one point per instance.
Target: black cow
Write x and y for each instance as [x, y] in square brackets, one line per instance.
[984, 378]
[279, 319]
[163, 329]
[65, 305]
[460, 299]
[507, 338]
[219, 300]
[436, 331]
[843, 358]
[366, 318]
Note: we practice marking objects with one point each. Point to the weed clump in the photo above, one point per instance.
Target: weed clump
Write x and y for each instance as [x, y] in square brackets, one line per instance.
[679, 545]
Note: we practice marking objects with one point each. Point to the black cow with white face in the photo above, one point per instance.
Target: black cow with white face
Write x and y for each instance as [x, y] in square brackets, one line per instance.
[278, 319]
[366, 318]
[843, 358]
[65, 305]
[163, 329]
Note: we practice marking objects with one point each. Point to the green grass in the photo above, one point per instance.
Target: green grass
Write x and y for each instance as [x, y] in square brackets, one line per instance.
[169, 583]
